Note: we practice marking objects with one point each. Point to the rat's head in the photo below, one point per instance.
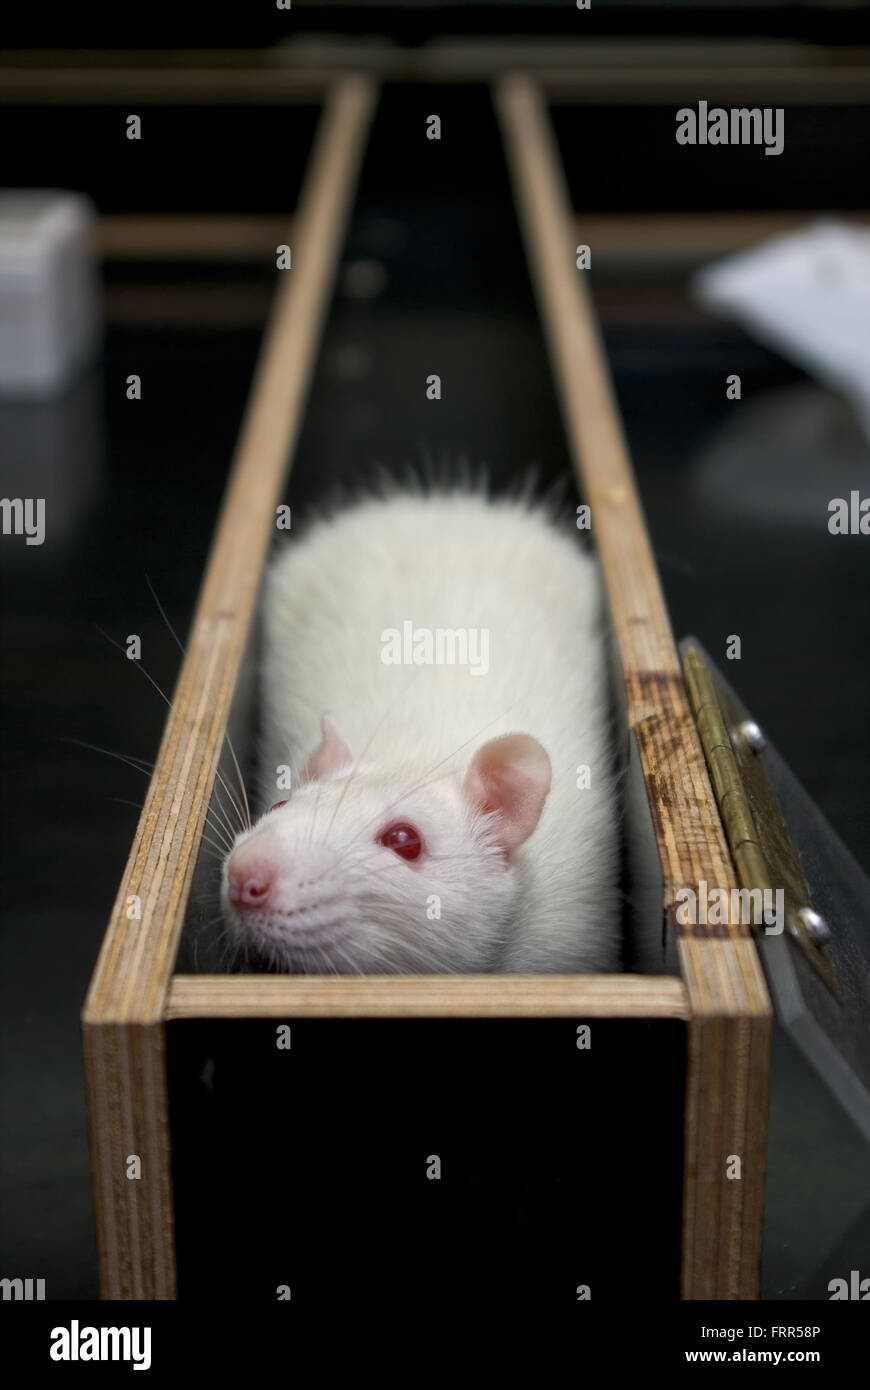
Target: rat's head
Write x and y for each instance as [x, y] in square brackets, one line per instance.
[368, 870]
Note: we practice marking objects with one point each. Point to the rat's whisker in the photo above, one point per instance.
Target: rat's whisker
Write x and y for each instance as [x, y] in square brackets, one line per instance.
[162, 693]
[182, 649]
[138, 764]
[225, 814]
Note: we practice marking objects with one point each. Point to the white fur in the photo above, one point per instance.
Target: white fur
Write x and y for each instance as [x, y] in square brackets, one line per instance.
[344, 903]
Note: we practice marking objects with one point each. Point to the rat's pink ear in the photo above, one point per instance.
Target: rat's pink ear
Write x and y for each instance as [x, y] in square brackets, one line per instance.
[330, 754]
[511, 777]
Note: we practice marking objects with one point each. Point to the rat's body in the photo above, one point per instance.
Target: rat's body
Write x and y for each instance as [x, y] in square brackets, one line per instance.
[514, 867]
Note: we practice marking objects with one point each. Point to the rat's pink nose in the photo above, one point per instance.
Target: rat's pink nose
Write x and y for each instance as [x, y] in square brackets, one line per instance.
[247, 889]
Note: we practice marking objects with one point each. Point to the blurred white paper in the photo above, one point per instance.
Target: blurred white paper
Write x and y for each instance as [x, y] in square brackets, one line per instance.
[49, 295]
[808, 296]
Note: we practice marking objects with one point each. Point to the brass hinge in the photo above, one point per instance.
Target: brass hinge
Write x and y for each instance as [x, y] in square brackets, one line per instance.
[762, 849]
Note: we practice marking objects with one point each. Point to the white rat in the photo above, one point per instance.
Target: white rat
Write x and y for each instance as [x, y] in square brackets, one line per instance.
[435, 676]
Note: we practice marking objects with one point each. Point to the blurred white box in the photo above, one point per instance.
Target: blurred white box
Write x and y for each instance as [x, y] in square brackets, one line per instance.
[49, 295]
[806, 294]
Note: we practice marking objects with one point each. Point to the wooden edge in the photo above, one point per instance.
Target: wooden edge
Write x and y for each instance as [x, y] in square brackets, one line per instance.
[688, 830]
[728, 1000]
[755, 85]
[645, 236]
[673, 237]
[168, 305]
[482, 59]
[426, 996]
[136, 959]
[134, 58]
[189, 237]
[128, 1120]
[122, 1018]
[96, 86]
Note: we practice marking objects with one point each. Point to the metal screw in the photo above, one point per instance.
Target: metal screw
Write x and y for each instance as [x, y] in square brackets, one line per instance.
[815, 925]
[752, 734]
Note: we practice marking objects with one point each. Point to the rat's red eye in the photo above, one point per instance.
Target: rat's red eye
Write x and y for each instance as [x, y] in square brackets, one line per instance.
[278, 805]
[403, 838]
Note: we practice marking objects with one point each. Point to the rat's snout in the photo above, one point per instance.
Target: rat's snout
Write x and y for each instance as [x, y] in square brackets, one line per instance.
[248, 891]
[250, 877]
